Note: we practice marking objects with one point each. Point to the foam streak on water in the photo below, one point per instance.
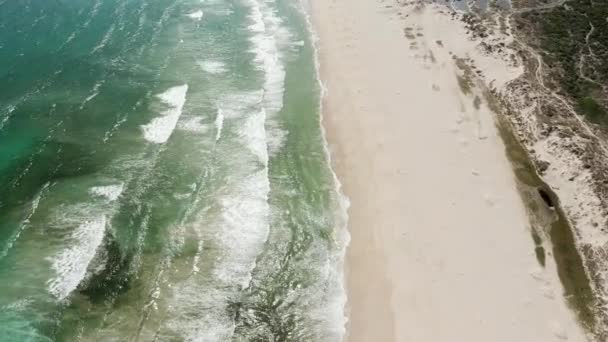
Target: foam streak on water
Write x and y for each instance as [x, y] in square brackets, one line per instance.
[253, 134]
[196, 15]
[104, 40]
[268, 33]
[94, 92]
[11, 241]
[212, 67]
[160, 129]
[72, 263]
[110, 192]
[219, 124]
[93, 12]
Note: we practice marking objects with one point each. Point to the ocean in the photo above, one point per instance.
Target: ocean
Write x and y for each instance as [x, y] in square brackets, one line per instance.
[164, 174]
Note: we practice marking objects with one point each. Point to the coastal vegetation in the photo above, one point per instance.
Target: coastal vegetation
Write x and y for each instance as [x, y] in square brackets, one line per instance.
[548, 221]
[572, 38]
[552, 232]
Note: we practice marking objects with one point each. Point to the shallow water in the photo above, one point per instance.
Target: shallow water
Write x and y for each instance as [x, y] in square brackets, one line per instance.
[163, 174]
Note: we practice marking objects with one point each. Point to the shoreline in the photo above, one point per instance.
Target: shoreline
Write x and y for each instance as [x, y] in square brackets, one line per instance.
[426, 173]
[342, 239]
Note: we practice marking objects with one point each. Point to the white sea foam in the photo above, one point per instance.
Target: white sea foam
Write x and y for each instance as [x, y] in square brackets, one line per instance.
[196, 15]
[90, 97]
[269, 36]
[182, 196]
[245, 213]
[245, 210]
[94, 92]
[104, 40]
[9, 110]
[71, 37]
[334, 308]
[110, 192]
[212, 67]
[193, 124]
[253, 134]
[114, 128]
[21, 304]
[276, 137]
[221, 11]
[197, 256]
[160, 129]
[245, 227]
[219, 124]
[93, 13]
[236, 105]
[72, 263]
[193, 324]
[35, 203]
[241, 230]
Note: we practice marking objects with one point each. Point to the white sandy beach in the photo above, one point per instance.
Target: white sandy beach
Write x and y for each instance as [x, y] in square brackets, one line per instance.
[440, 243]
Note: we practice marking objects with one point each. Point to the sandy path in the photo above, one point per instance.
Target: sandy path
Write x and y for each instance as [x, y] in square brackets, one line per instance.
[441, 249]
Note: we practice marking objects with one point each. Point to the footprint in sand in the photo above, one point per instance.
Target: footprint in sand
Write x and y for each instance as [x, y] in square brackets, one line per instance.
[490, 200]
[548, 291]
[558, 330]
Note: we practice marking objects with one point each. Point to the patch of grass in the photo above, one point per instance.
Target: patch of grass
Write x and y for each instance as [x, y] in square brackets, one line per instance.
[592, 110]
[477, 102]
[466, 80]
[465, 84]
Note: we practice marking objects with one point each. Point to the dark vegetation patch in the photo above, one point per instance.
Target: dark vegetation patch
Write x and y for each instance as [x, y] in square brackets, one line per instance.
[477, 102]
[465, 81]
[408, 33]
[465, 84]
[592, 109]
[544, 195]
[539, 250]
[573, 40]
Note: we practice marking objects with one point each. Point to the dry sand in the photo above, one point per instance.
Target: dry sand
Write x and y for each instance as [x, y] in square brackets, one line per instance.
[441, 248]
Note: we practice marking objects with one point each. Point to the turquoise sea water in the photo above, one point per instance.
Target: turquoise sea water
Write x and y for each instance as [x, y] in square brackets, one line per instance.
[163, 175]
